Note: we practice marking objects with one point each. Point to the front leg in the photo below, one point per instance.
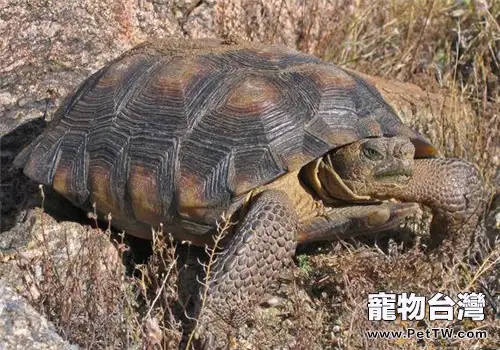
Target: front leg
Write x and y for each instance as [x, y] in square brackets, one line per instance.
[262, 246]
[455, 192]
[352, 221]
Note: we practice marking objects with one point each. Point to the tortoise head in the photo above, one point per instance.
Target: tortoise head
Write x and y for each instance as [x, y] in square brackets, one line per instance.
[375, 169]
[365, 170]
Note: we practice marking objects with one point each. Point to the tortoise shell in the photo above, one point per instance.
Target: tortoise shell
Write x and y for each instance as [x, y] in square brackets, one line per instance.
[176, 128]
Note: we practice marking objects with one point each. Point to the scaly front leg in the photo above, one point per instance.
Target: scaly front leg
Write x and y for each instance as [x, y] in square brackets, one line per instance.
[454, 190]
[355, 220]
[262, 246]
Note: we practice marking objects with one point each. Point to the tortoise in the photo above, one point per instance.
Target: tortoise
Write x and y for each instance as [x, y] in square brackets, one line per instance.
[288, 147]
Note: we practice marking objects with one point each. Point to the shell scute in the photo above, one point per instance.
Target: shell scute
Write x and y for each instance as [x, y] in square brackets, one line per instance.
[70, 178]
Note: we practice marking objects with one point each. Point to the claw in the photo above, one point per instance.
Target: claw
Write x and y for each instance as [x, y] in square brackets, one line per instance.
[379, 217]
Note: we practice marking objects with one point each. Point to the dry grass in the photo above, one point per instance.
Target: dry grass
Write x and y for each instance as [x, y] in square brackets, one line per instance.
[85, 290]
[447, 47]
[345, 279]
[80, 287]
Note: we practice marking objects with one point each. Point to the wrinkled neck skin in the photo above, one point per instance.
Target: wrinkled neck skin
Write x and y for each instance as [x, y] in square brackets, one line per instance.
[328, 185]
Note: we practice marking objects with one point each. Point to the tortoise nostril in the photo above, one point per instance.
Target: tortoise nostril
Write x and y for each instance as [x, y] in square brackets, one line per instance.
[405, 150]
[401, 147]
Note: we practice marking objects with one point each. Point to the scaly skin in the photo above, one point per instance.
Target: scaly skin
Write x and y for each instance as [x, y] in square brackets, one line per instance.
[454, 190]
[260, 249]
[265, 241]
[351, 221]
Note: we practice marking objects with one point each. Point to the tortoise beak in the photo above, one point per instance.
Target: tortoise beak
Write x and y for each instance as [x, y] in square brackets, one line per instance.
[399, 172]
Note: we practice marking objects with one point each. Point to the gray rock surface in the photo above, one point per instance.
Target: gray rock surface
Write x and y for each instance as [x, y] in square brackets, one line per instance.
[37, 237]
[22, 327]
[48, 47]
[56, 266]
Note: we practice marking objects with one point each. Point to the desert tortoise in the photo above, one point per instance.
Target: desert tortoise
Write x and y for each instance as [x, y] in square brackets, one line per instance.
[291, 148]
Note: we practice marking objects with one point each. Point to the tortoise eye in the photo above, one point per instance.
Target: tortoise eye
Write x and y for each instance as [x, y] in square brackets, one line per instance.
[372, 154]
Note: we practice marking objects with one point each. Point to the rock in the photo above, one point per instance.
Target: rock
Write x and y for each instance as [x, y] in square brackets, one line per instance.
[40, 240]
[21, 327]
[421, 110]
[61, 43]
[65, 269]
[48, 47]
